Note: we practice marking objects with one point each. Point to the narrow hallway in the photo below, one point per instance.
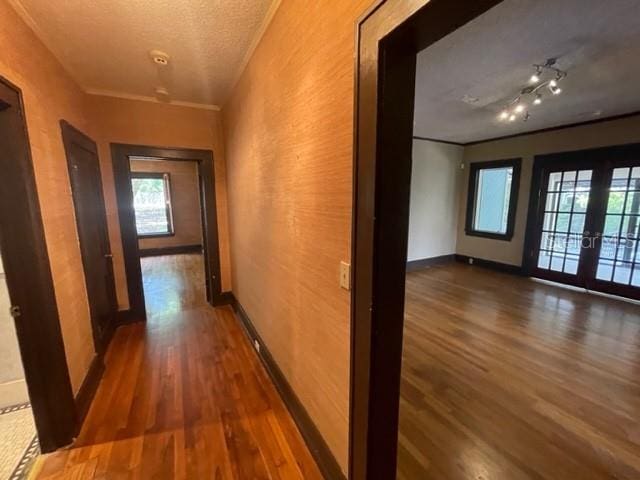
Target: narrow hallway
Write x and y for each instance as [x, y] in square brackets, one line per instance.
[184, 396]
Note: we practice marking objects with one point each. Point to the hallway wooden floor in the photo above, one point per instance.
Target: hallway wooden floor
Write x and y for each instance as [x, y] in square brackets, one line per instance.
[184, 397]
[507, 378]
[173, 283]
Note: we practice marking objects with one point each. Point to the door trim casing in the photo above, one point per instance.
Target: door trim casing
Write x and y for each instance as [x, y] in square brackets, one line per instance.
[388, 36]
[120, 154]
[71, 135]
[30, 284]
[600, 159]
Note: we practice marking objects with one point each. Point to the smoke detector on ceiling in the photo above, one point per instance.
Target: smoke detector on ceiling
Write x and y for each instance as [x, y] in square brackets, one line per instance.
[159, 58]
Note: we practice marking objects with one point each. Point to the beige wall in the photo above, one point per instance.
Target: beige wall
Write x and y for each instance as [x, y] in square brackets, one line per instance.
[144, 123]
[435, 192]
[49, 95]
[185, 202]
[615, 132]
[289, 138]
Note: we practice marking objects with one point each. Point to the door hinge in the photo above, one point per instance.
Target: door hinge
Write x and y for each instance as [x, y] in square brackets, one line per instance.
[15, 311]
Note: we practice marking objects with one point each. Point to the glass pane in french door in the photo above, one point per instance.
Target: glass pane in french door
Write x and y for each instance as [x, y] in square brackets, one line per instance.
[619, 261]
[566, 199]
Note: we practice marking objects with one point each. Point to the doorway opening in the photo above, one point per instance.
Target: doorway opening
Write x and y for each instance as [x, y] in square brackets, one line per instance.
[38, 411]
[18, 437]
[166, 202]
[484, 157]
[168, 223]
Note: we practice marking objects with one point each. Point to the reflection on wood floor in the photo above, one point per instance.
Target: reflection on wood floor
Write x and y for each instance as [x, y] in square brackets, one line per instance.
[507, 378]
[173, 283]
[184, 396]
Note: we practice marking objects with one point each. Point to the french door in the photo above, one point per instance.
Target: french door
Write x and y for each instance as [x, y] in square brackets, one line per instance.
[584, 219]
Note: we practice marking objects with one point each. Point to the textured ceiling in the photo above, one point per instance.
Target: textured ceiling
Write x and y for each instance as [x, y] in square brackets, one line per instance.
[596, 41]
[105, 44]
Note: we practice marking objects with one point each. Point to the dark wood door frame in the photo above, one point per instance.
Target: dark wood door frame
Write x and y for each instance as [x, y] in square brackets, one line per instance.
[120, 154]
[29, 280]
[71, 136]
[388, 37]
[601, 160]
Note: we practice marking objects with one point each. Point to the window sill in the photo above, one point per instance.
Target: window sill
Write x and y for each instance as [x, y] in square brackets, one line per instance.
[156, 235]
[506, 237]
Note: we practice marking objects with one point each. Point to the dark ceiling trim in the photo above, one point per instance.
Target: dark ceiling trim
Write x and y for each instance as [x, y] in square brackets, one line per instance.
[534, 132]
[427, 139]
[553, 129]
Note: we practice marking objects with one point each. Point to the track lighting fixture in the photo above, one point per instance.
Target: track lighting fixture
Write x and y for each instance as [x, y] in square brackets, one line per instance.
[546, 77]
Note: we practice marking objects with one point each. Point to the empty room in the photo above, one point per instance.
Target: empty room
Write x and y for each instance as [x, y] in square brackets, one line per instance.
[332, 239]
[521, 335]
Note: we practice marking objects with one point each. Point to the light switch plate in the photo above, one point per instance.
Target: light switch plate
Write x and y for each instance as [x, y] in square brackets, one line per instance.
[345, 275]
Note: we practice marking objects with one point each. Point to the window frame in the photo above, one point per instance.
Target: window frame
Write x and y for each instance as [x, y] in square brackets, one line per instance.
[166, 176]
[474, 169]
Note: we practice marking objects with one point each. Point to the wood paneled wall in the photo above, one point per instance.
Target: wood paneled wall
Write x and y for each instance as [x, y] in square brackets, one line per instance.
[120, 120]
[289, 135]
[49, 95]
[185, 202]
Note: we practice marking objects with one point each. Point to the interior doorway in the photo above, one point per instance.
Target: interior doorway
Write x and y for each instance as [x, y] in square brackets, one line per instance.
[18, 436]
[91, 219]
[167, 205]
[163, 184]
[471, 368]
[36, 397]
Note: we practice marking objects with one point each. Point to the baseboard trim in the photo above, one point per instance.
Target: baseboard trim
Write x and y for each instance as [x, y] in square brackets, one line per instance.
[413, 265]
[125, 317]
[225, 298]
[178, 250]
[88, 388]
[497, 266]
[327, 463]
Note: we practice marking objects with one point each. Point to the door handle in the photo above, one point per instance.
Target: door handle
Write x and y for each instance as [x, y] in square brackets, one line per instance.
[108, 255]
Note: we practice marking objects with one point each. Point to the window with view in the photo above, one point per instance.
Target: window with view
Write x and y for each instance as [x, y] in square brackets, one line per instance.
[493, 190]
[152, 204]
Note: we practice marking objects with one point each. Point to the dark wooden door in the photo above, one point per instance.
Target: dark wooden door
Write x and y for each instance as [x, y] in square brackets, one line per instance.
[28, 275]
[565, 205]
[584, 225]
[91, 219]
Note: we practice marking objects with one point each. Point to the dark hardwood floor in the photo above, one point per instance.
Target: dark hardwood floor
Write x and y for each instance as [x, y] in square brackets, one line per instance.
[184, 397]
[507, 378]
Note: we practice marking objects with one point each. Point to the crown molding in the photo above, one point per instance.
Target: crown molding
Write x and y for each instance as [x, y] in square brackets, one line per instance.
[266, 21]
[144, 98]
[19, 8]
[33, 25]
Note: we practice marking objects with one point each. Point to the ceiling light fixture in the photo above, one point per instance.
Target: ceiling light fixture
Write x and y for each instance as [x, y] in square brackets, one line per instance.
[546, 76]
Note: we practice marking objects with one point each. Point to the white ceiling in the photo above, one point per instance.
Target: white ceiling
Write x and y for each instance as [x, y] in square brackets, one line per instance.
[105, 44]
[596, 41]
